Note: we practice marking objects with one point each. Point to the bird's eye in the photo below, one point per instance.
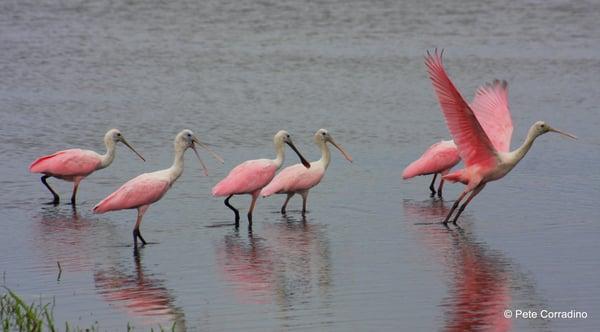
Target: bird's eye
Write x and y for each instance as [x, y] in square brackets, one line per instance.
[288, 136]
[119, 134]
[189, 135]
[324, 134]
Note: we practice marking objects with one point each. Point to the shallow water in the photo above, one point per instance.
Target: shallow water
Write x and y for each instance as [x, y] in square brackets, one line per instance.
[370, 254]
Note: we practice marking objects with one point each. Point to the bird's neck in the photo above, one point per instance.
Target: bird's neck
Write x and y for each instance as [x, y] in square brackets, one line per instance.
[518, 154]
[325, 154]
[176, 169]
[280, 154]
[107, 158]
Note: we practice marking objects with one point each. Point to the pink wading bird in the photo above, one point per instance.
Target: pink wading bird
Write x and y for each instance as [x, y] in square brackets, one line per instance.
[442, 156]
[438, 159]
[298, 179]
[251, 176]
[75, 164]
[486, 156]
[145, 189]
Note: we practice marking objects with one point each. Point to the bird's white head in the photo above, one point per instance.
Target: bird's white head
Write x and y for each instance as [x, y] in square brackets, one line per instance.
[114, 136]
[186, 139]
[322, 136]
[283, 137]
[541, 127]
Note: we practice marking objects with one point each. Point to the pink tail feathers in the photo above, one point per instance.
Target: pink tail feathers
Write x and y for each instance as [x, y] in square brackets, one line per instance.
[455, 177]
[37, 166]
[269, 190]
[221, 189]
[105, 205]
[101, 207]
[412, 170]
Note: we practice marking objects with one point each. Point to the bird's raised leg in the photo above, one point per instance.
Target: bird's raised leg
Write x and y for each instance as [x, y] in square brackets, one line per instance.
[304, 199]
[136, 229]
[439, 191]
[254, 197]
[74, 195]
[456, 203]
[289, 196]
[237, 213]
[56, 198]
[431, 186]
[462, 207]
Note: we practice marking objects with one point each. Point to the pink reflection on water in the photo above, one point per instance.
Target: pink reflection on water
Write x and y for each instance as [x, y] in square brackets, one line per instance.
[289, 262]
[479, 283]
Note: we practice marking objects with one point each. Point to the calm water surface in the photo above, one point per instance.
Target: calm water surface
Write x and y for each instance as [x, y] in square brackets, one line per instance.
[370, 254]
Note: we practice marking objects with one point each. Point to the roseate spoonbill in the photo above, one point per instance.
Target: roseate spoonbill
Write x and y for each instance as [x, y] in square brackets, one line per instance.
[486, 156]
[75, 164]
[145, 189]
[251, 176]
[297, 179]
[438, 159]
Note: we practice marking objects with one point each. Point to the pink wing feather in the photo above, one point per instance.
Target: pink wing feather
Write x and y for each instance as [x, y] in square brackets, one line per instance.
[474, 146]
[67, 163]
[491, 109]
[440, 157]
[293, 179]
[142, 190]
[246, 178]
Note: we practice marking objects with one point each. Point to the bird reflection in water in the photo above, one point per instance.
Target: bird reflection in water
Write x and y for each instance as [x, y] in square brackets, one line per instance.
[139, 294]
[479, 280]
[63, 235]
[290, 264]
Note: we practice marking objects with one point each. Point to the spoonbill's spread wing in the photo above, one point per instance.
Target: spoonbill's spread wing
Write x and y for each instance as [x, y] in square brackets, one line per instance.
[142, 190]
[491, 109]
[474, 146]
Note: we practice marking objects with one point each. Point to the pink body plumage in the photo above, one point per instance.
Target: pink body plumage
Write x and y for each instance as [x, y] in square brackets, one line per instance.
[294, 179]
[142, 190]
[246, 178]
[439, 158]
[67, 165]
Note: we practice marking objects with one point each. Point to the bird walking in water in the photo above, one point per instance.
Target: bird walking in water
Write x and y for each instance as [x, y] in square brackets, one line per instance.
[485, 152]
[251, 176]
[74, 165]
[297, 179]
[145, 189]
[438, 159]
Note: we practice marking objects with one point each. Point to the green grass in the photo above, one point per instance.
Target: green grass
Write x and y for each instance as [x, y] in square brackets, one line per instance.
[16, 315]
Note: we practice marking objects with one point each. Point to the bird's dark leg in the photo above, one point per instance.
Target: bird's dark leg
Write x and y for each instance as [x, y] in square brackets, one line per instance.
[304, 199]
[431, 186]
[456, 203]
[462, 207]
[136, 229]
[56, 198]
[289, 196]
[439, 191]
[254, 197]
[237, 213]
[73, 197]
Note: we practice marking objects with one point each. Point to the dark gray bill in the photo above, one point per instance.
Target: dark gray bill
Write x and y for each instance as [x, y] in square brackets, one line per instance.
[304, 162]
[132, 149]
